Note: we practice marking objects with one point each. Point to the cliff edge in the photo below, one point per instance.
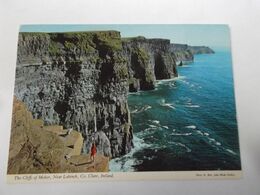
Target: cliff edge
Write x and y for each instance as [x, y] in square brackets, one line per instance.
[35, 148]
[78, 80]
[184, 53]
[148, 60]
[81, 80]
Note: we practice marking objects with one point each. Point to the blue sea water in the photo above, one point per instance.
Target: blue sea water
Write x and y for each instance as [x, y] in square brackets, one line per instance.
[187, 123]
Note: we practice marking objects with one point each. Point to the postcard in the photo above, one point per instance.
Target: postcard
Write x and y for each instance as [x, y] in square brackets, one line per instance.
[123, 102]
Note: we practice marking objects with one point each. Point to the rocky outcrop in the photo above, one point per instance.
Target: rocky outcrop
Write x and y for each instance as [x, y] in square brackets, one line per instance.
[35, 148]
[181, 53]
[184, 53]
[79, 81]
[200, 50]
[148, 60]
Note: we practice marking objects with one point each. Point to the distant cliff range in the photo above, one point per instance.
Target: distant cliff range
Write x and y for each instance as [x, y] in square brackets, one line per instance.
[184, 53]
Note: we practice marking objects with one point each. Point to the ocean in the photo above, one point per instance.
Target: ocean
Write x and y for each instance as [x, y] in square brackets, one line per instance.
[187, 123]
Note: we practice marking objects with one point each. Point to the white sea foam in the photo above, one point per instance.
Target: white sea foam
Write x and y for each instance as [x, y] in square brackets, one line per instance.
[134, 111]
[190, 127]
[231, 151]
[171, 85]
[142, 109]
[154, 121]
[185, 66]
[147, 131]
[149, 157]
[134, 93]
[126, 162]
[147, 107]
[163, 103]
[169, 80]
[212, 139]
[180, 144]
[192, 106]
[153, 126]
[166, 127]
[169, 105]
[199, 132]
[184, 134]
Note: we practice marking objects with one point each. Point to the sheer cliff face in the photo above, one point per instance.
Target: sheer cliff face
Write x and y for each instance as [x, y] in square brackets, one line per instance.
[81, 80]
[148, 60]
[185, 53]
[181, 53]
[77, 80]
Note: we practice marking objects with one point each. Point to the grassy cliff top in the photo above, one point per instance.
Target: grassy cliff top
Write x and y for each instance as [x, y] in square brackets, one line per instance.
[144, 39]
[85, 41]
[108, 32]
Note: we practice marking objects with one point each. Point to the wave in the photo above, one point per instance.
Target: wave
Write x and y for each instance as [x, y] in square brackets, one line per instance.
[169, 80]
[163, 103]
[180, 144]
[142, 109]
[149, 157]
[148, 131]
[231, 151]
[210, 139]
[134, 93]
[184, 134]
[169, 105]
[203, 133]
[126, 163]
[199, 132]
[134, 111]
[172, 85]
[154, 121]
[192, 106]
[190, 127]
[156, 124]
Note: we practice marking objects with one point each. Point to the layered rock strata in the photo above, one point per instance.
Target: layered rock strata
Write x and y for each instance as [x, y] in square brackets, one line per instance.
[148, 60]
[35, 148]
[184, 53]
[79, 81]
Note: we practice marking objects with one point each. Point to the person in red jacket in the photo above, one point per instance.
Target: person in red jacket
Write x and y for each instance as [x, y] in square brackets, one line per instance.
[93, 152]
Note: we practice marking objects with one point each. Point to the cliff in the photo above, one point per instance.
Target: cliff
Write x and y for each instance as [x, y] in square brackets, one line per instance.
[35, 148]
[200, 50]
[81, 80]
[78, 80]
[148, 60]
[184, 53]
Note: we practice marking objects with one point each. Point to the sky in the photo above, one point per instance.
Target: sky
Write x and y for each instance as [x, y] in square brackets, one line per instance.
[215, 36]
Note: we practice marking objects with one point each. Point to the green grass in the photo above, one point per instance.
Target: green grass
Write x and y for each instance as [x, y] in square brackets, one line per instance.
[85, 41]
[142, 56]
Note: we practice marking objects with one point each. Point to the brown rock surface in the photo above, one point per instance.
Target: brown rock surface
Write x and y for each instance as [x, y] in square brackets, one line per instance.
[35, 148]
